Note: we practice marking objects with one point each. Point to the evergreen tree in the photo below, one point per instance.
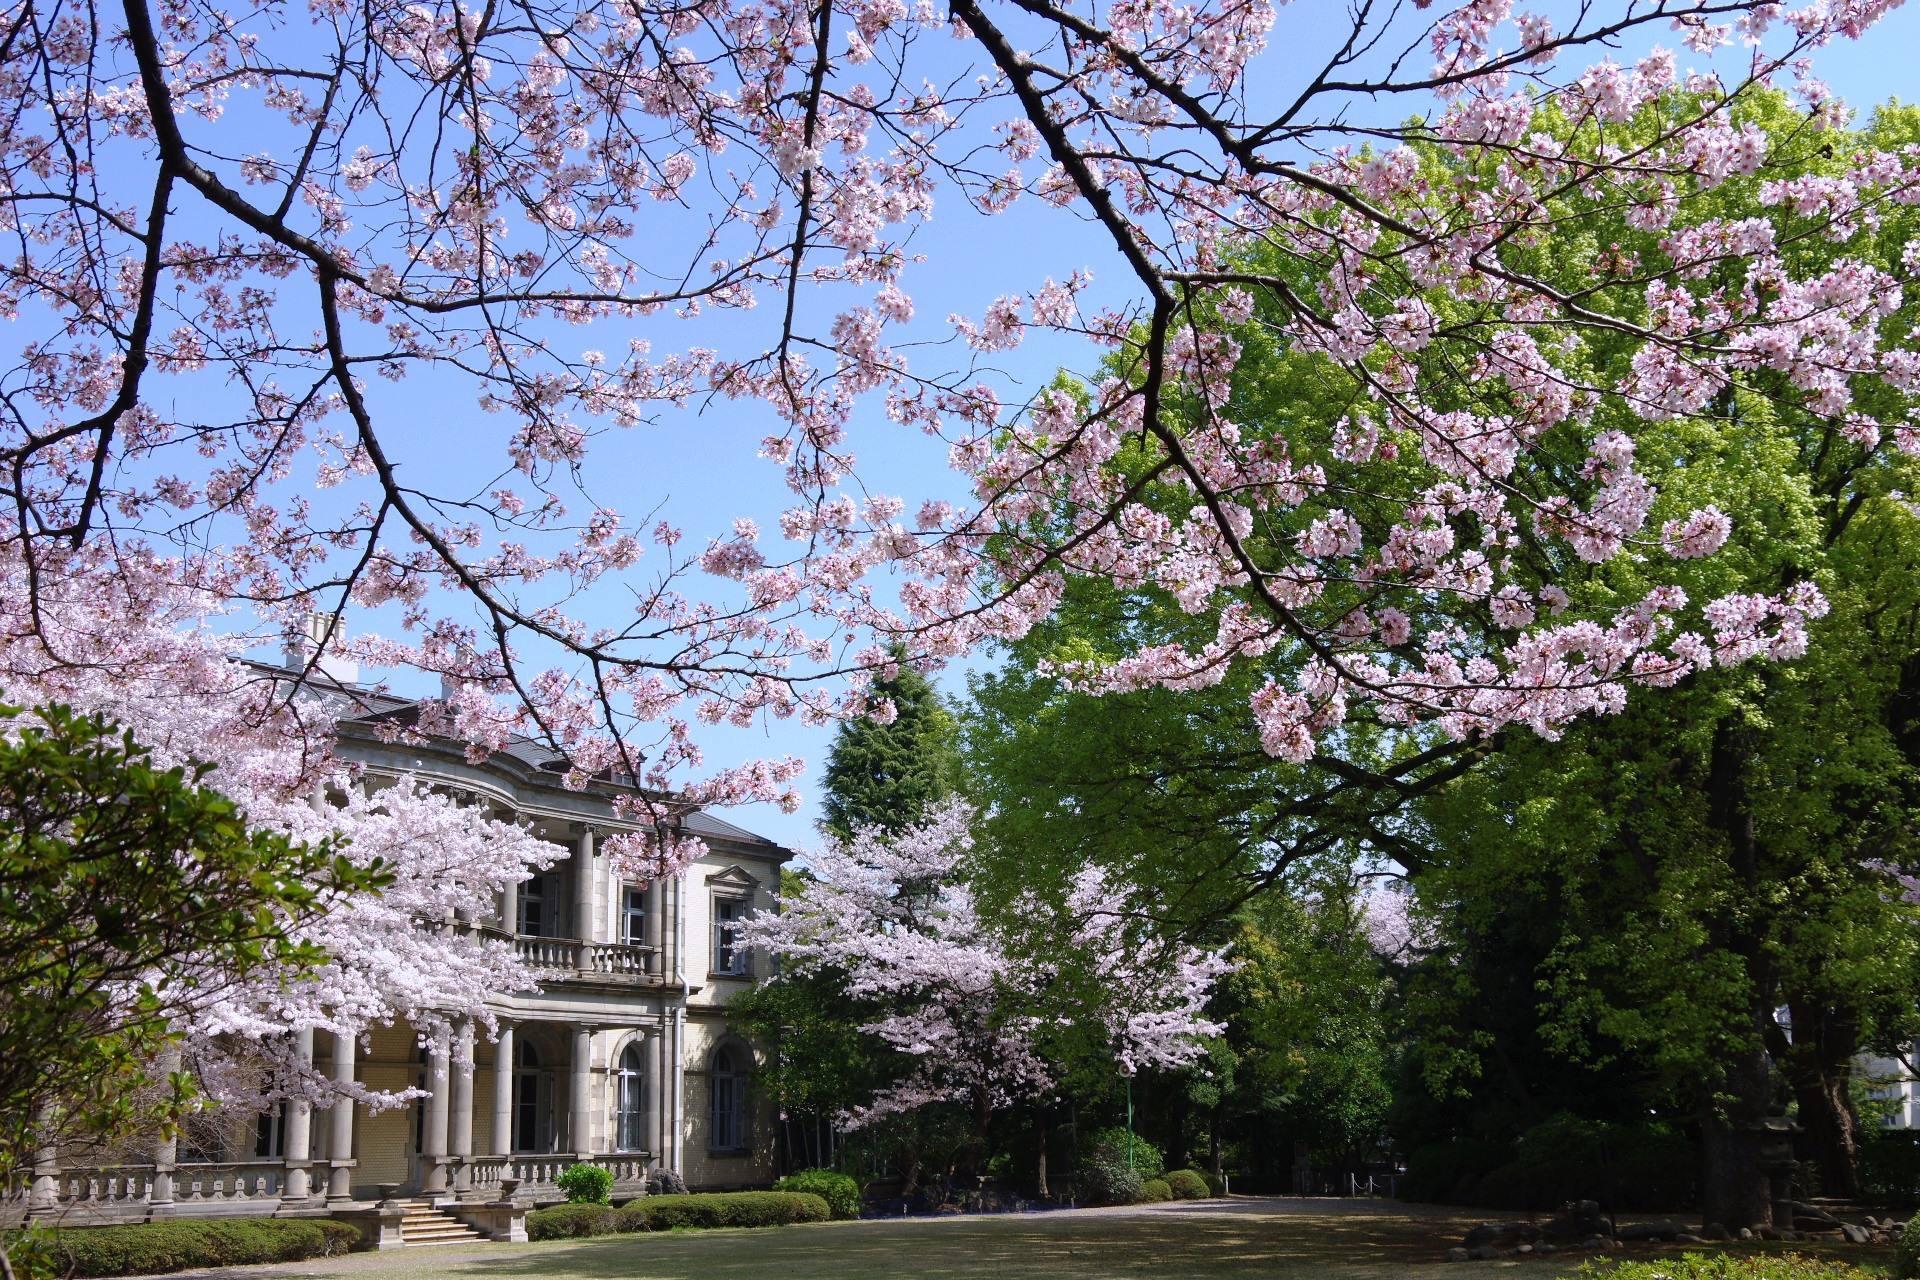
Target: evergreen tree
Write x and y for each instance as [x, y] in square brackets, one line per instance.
[888, 775]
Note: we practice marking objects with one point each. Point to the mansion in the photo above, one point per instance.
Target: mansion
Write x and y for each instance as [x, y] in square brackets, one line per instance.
[620, 1055]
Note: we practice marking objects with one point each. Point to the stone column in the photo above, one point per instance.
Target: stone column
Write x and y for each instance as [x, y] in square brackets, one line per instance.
[296, 1187]
[167, 1150]
[583, 877]
[340, 1162]
[510, 907]
[460, 1137]
[43, 1197]
[656, 1094]
[434, 1144]
[503, 1091]
[657, 927]
[581, 1094]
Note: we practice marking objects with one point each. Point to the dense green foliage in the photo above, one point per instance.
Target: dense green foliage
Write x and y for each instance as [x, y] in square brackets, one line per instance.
[568, 1221]
[1106, 1178]
[887, 775]
[841, 1192]
[670, 1212]
[125, 884]
[1188, 1184]
[1906, 1255]
[1624, 1165]
[1153, 1191]
[586, 1184]
[152, 1248]
[1890, 1167]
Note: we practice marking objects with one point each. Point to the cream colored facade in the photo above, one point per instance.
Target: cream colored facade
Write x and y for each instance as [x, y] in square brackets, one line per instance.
[621, 1053]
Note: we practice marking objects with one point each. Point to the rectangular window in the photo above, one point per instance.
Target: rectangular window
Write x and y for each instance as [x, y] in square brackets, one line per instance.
[540, 906]
[729, 956]
[633, 916]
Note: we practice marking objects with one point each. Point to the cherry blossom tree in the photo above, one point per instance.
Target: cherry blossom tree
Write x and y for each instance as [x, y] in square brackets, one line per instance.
[980, 1001]
[235, 230]
[120, 637]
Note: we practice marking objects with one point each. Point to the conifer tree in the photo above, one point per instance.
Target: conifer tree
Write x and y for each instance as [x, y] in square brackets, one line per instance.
[888, 775]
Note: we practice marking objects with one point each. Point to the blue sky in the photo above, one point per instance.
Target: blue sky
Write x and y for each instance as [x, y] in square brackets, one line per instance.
[698, 469]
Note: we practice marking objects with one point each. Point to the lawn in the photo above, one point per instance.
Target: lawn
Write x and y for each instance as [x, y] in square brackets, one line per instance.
[1272, 1239]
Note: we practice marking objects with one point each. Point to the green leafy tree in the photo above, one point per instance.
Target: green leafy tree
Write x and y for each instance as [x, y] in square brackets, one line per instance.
[888, 774]
[1722, 849]
[126, 893]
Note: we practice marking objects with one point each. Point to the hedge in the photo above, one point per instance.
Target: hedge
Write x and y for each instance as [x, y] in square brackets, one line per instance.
[571, 1221]
[1188, 1184]
[147, 1248]
[1154, 1191]
[723, 1209]
[1719, 1266]
[664, 1213]
[841, 1192]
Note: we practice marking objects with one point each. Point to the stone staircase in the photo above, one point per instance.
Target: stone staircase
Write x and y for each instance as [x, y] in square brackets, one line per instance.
[425, 1224]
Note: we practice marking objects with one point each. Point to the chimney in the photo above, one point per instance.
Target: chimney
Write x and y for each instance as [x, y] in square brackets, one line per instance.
[305, 639]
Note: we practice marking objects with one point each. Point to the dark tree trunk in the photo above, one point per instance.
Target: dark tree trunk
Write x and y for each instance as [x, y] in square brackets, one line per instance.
[1213, 1141]
[1177, 1149]
[1040, 1162]
[1734, 1188]
[1820, 1067]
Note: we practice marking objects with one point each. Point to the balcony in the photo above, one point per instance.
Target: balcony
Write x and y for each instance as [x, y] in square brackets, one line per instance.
[571, 958]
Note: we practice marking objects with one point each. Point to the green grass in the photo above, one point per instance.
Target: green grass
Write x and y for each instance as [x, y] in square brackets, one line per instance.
[1274, 1240]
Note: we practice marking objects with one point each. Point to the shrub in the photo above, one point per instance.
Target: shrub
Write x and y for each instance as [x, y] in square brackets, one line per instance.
[722, 1209]
[1719, 1266]
[1890, 1167]
[1906, 1255]
[571, 1221]
[1188, 1184]
[586, 1184]
[1107, 1178]
[1566, 1157]
[147, 1248]
[665, 1182]
[1146, 1157]
[1153, 1191]
[841, 1193]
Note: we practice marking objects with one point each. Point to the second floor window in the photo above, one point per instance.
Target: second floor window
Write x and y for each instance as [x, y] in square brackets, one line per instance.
[729, 954]
[540, 906]
[633, 916]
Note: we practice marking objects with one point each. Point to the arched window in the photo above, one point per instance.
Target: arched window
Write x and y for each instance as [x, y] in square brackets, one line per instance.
[527, 1088]
[630, 1120]
[727, 1074]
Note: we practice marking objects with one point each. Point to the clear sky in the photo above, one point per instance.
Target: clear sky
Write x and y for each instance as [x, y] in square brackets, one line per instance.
[698, 467]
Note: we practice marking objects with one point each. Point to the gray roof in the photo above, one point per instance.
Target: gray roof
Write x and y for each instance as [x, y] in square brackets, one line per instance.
[370, 705]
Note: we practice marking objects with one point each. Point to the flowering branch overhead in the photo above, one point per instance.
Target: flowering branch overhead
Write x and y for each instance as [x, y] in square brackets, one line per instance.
[237, 233]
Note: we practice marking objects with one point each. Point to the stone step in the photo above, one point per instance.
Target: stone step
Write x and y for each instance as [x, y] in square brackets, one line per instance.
[425, 1224]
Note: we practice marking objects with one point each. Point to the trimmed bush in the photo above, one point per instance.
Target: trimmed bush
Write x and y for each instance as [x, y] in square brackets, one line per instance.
[1719, 1266]
[665, 1182]
[586, 1184]
[1145, 1156]
[147, 1248]
[722, 1209]
[841, 1192]
[1107, 1178]
[1154, 1191]
[1906, 1255]
[1188, 1184]
[571, 1221]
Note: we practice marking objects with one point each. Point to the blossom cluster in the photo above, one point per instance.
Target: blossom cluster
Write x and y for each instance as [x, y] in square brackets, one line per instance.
[974, 998]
